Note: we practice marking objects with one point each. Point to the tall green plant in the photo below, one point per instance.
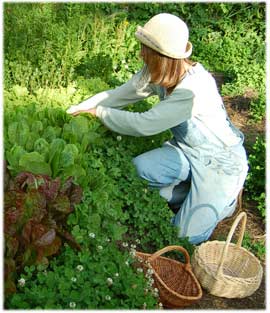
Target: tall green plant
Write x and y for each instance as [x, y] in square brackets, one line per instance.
[255, 183]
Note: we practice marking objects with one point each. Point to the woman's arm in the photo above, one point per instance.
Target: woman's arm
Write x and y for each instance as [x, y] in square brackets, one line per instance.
[136, 88]
[168, 113]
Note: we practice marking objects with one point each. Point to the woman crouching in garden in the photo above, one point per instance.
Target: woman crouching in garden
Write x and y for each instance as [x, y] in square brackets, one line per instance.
[203, 168]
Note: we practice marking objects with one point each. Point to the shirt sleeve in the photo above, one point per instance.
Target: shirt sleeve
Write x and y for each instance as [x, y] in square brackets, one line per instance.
[168, 113]
[137, 88]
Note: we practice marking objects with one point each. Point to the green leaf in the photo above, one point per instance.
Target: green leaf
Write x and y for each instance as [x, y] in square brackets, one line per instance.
[94, 222]
[12, 132]
[49, 134]
[75, 171]
[91, 138]
[29, 145]
[13, 157]
[34, 162]
[42, 146]
[56, 148]
[19, 91]
[37, 127]
[79, 126]
[69, 155]
[23, 133]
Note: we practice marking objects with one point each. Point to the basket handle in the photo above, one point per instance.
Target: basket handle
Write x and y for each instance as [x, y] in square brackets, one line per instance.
[170, 248]
[241, 216]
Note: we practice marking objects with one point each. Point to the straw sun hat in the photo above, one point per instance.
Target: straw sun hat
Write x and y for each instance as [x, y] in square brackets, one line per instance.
[167, 34]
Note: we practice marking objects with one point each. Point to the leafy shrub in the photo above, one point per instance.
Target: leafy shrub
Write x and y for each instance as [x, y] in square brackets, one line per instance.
[36, 208]
[255, 183]
[255, 246]
[98, 41]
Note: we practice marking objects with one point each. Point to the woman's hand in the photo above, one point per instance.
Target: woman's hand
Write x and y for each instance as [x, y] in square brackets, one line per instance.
[90, 111]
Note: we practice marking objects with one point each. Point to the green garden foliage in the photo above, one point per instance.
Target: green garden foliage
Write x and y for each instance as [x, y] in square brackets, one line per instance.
[57, 55]
[255, 184]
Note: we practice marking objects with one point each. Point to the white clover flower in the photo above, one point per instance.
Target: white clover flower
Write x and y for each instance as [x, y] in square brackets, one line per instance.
[146, 290]
[150, 283]
[109, 281]
[119, 138]
[100, 247]
[155, 292]
[80, 268]
[116, 274]
[127, 263]
[126, 66]
[133, 246]
[74, 279]
[150, 271]
[72, 305]
[108, 298]
[92, 235]
[132, 253]
[125, 244]
[108, 239]
[138, 240]
[160, 305]
[21, 282]
[140, 270]
[123, 61]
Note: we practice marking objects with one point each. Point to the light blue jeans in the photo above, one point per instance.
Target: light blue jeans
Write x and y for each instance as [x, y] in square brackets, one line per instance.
[204, 181]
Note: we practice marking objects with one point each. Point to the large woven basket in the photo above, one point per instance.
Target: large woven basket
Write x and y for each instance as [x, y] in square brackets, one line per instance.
[177, 285]
[226, 269]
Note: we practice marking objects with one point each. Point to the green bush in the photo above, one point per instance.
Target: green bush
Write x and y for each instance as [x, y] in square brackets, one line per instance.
[255, 183]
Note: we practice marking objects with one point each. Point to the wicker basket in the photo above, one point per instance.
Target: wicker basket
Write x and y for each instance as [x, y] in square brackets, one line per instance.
[177, 285]
[226, 269]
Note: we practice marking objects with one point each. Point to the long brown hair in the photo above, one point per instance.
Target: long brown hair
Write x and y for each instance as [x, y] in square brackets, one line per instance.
[165, 71]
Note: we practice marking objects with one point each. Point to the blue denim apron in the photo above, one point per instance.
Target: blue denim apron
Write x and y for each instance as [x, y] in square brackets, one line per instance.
[198, 172]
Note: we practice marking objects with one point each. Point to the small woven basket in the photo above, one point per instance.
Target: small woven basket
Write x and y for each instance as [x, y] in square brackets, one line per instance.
[226, 269]
[177, 285]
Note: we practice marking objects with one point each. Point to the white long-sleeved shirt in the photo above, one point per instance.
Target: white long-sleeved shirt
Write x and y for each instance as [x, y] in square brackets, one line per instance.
[195, 97]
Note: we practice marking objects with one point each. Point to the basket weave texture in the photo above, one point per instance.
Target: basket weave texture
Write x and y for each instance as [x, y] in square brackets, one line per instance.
[226, 269]
[177, 285]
